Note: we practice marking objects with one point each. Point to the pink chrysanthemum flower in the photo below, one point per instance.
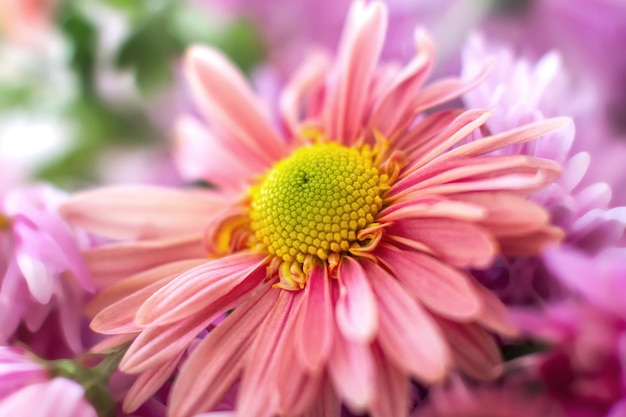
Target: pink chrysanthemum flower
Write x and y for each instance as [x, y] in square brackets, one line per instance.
[341, 241]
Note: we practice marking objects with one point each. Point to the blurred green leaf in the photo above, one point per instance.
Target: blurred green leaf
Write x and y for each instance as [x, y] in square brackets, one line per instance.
[82, 37]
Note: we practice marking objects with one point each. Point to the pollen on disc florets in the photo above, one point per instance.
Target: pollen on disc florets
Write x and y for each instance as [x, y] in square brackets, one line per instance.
[315, 202]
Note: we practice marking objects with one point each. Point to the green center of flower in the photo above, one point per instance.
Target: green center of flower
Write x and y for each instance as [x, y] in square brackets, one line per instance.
[316, 201]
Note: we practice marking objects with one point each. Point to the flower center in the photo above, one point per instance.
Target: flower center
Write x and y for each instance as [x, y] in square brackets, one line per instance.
[315, 202]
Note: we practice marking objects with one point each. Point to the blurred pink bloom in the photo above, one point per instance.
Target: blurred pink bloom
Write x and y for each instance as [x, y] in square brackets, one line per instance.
[460, 400]
[585, 368]
[25, 21]
[42, 268]
[26, 389]
[342, 239]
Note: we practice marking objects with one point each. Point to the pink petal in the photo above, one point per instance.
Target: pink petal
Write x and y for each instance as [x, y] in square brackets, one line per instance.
[259, 385]
[201, 382]
[119, 317]
[446, 90]
[200, 154]
[474, 351]
[313, 332]
[504, 213]
[142, 212]
[157, 344]
[443, 289]
[464, 169]
[393, 395]
[353, 373]
[430, 207]
[519, 135]
[200, 287]
[459, 129]
[309, 77]
[493, 314]
[408, 335]
[148, 383]
[394, 107]
[110, 264]
[227, 101]
[136, 282]
[356, 310]
[457, 242]
[358, 53]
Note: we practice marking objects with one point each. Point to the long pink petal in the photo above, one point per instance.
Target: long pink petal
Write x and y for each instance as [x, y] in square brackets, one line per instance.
[314, 331]
[470, 168]
[474, 351]
[201, 382]
[200, 287]
[136, 282]
[308, 78]
[228, 102]
[394, 107]
[493, 314]
[259, 384]
[148, 383]
[392, 398]
[356, 310]
[119, 317]
[457, 242]
[521, 134]
[157, 344]
[431, 207]
[327, 405]
[358, 53]
[353, 372]
[459, 129]
[504, 213]
[408, 335]
[142, 212]
[200, 155]
[443, 289]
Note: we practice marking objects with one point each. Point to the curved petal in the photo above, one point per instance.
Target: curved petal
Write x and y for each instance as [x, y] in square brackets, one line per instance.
[352, 370]
[457, 242]
[394, 107]
[313, 332]
[356, 310]
[111, 263]
[407, 335]
[200, 155]
[443, 289]
[201, 382]
[142, 212]
[200, 287]
[228, 102]
[359, 50]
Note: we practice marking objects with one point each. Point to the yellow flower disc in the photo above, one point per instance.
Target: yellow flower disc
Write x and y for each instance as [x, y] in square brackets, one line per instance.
[315, 201]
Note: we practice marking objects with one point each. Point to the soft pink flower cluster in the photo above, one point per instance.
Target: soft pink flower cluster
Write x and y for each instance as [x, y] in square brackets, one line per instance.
[371, 243]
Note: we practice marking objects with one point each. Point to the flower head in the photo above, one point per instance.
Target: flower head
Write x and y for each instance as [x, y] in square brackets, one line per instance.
[340, 239]
[42, 270]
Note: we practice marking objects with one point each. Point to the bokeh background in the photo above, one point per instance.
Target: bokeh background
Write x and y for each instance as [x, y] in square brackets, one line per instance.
[90, 89]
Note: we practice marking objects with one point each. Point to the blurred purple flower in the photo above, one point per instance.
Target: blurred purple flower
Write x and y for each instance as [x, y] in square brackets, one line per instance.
[520, 92]
[42, 271]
